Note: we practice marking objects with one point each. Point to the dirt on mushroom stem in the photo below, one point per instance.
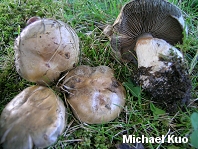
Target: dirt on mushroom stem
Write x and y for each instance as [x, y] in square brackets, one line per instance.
[170, 88]
[165, 78]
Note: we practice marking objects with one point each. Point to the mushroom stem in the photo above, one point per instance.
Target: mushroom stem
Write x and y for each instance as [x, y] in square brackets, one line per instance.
[161, 70]
[153, 52]
[152, 28]
[145, 36]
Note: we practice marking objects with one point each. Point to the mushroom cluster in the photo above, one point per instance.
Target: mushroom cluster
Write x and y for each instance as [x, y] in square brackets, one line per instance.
[149, 29]
[37, 116]
[45, 50]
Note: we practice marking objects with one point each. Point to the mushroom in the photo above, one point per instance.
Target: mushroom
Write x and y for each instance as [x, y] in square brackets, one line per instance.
[35, 117]
[158, 18]
[44, 49]
[94, 94]
[162, 71]
[149, 29]
[32, 19]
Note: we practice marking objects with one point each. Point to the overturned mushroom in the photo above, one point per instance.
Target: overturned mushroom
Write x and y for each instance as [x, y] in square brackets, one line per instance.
[35, 117]
[158, 18]
[95, 95]
[44, 49]
[148, 29]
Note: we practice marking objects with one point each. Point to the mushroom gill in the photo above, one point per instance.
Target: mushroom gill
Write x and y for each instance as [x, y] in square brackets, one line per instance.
[145, 32]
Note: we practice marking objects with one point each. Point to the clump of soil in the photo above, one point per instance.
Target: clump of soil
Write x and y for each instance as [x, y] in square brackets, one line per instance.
[170, 88]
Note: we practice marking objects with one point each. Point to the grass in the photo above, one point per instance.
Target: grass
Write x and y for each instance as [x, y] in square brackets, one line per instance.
[85, 16]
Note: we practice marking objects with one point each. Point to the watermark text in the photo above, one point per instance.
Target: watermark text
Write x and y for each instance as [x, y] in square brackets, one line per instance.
[161, 139]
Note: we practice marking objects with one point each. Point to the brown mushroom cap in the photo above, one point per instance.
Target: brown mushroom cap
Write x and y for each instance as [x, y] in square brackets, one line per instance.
[32, 19]
[35, 117]
[159, 18]
[44, 49]
[96, 96]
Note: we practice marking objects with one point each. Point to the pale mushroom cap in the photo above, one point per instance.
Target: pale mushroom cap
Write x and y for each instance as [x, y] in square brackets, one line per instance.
[44, 49]
[97, 97]
[159, 18]
[36, 116]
